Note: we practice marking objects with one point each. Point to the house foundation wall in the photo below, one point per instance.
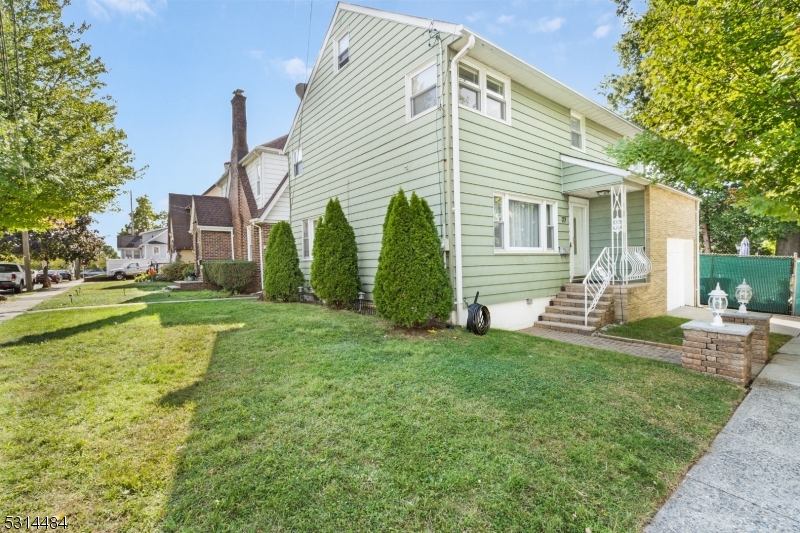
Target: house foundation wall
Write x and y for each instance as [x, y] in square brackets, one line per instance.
[517, 315]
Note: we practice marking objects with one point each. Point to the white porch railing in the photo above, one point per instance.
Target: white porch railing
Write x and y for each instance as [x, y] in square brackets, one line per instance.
[633, 264]
[596, 281]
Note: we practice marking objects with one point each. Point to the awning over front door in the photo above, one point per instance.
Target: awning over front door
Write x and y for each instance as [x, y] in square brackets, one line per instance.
[584, 178]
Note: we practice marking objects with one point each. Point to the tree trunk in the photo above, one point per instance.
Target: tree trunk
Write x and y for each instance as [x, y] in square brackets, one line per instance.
[45, 277]
[788, 244]
[706, 240]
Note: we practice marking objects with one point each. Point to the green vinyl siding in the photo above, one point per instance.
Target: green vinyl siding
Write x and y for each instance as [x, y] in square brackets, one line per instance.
[600, 222]
[522, 158]
[356, 143]
[577, 178]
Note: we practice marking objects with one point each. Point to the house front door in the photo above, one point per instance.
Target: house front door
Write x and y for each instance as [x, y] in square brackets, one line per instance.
[579, 238]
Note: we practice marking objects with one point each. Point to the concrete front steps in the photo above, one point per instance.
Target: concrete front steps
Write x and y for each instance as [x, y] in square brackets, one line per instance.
[566, 311]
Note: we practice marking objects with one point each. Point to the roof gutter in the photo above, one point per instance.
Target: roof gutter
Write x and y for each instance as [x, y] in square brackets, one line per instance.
[457, 180]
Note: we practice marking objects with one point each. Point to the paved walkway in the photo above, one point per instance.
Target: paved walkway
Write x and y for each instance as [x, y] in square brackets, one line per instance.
[23, 302]
[667, 355]
[749, 481]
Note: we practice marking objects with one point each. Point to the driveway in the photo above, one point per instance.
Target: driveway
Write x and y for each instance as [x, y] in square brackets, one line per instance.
[25, 301]
[749, 481]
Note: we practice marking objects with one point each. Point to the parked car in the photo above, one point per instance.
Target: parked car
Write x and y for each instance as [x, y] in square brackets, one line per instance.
[12, 277]
[127, 271]
[55, 277]
[66, 275]
[90, 273]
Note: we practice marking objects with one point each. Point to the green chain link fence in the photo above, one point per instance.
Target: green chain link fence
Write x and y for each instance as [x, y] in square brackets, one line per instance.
[770, 277]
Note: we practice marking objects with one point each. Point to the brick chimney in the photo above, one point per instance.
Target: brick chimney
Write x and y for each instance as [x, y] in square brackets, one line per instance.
[239, 149]
[237, 172]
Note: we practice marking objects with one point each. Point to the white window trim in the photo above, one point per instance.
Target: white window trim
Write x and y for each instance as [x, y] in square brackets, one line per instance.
[483, 71]
[294, 161]
[426, 64]
[542, 250]
[574, 114]
[308, 222]
[336, 40]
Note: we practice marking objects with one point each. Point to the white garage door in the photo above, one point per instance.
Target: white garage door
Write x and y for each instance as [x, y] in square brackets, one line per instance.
[680, 273]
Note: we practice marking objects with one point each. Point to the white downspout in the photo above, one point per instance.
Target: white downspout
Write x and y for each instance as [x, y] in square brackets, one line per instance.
[697, 253]
[457, 180]
[261, 256]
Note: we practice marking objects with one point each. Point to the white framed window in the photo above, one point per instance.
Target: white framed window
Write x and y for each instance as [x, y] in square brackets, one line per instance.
[421, 90]
[341, 51]
[484, 91]
[249, 243]
[297, 162]
[577, 131]
[155, 250]
[523, 224]
[309, 228]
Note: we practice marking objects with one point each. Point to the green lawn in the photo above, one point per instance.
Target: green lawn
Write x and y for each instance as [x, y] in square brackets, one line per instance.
[667, 330]
[245, 416]
[121, 292]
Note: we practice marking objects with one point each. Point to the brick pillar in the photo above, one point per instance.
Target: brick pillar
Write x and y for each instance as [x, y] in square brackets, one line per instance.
[720, 351]
[759, 352]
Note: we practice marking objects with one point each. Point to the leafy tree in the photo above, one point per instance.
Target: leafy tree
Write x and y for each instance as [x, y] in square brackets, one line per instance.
[392, 277]
[145, 217]
[334, 270]
[71, 241]
[282, 274]
[715, 84]
[60, 154]
[105, 254]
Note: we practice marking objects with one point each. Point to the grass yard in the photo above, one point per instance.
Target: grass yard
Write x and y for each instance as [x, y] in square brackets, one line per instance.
[245, 416]
[122, 292]
[667, 330]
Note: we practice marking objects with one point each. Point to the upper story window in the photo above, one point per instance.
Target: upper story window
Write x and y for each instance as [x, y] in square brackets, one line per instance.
[577, 127]
[421, 89]
[484, 91]
[309, 228]
[523, 224]
[297, 162]
[155, 250]
[342, 51]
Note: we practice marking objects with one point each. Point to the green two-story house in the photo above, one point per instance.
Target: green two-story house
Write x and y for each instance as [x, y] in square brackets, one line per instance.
[511, 161]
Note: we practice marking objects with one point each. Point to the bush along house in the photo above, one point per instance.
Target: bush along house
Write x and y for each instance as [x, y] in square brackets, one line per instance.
[232, 219]
[527, 203]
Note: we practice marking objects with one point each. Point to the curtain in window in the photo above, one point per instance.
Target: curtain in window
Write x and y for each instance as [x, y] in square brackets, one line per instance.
[523, 224]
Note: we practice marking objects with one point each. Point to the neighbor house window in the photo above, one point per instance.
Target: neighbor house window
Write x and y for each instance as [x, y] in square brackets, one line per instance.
[309, 228]
[342, 51]
[484, 91]
[297, 162]
[421, 90]
[577, 127]
[155, 250]
[523, 224]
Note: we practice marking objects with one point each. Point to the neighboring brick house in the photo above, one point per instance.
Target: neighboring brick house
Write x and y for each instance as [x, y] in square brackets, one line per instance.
[232, 218]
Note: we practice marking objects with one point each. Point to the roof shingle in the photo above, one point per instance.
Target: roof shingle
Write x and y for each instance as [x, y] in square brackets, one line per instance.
[213, 211]
[278, 143]
[180, 206]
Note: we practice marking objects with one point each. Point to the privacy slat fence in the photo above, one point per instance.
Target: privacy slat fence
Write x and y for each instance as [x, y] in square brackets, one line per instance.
[769, 276]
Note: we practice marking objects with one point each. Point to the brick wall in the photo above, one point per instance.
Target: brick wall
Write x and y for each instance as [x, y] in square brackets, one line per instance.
[215, 246]
[759, 352]
[723, 352]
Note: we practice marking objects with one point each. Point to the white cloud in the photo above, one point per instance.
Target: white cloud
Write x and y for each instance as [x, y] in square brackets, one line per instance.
[605, 17]
[296, 68]
[140, 9]
[505, 19]
[547, 24]
[478, 15]
[602, 31]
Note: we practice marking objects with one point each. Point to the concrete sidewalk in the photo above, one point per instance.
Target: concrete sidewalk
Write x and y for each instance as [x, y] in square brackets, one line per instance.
[749, 481]
[23, 302]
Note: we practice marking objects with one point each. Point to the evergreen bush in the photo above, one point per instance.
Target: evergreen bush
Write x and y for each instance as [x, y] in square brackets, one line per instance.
[282, 274]
[334, 269]
[412, 285]
[173, 271]
[232, 276]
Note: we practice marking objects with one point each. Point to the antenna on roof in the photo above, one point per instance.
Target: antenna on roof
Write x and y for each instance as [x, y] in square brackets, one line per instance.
[300, 90]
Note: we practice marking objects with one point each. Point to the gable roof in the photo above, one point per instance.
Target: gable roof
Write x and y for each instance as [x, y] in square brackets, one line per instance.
[244, 182]
[180, 206]
[276, 144]
[270, 203]
[212, 211]
[494, 56]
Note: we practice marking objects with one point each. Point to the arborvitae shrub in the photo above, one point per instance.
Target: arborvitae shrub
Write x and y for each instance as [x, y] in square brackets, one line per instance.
[412, 285]
[334, 269]
[232, 276]
[282, 274]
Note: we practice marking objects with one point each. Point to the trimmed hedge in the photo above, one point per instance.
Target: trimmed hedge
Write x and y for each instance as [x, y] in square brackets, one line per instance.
[173, 271]
[282, 274]
[412, 285]
[334, 270]
[232, 276]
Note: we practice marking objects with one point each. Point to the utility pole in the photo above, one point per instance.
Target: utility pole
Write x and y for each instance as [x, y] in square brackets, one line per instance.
[133, 228]
[26, 255]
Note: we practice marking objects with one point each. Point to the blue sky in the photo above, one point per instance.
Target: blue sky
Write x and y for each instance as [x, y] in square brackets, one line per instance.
[173, 66]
